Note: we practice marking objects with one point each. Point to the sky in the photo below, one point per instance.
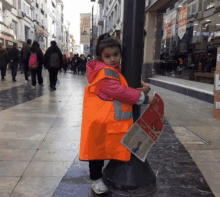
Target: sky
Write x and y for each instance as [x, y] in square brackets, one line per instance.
[72, 10]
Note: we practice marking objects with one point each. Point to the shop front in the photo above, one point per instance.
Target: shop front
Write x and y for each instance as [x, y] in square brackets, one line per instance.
[186, 44]
[9, 44]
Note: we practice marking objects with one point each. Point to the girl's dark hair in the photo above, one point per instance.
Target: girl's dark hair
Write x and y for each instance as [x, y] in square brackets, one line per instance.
[106, 41]
[35, 44]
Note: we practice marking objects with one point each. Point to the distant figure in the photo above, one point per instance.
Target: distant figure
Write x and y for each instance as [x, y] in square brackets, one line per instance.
[3, 61]
[35, 49]
[26, 48]
[13, 55]
[53, 60]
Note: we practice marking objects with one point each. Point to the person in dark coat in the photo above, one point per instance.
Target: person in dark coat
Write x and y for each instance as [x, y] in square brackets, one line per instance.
[3, 61]
[65, 63]
[13, 55]
[40, 58]
[75, 63]
[24, 51]
[82, 64]
[53, 72]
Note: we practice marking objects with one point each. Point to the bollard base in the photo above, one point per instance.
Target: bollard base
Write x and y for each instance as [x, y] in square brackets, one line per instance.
[132, 178]
[131, 191]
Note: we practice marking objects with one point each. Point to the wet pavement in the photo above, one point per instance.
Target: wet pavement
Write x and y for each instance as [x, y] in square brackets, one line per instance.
[177, 173]
[39, 146]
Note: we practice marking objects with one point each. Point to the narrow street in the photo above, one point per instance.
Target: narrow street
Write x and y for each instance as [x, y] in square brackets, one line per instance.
[40, 137]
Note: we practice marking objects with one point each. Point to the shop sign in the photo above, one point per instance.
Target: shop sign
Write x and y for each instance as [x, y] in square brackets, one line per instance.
[40, 39]
[182, 21]
[9, 43]
[169, 24]
[86, 48]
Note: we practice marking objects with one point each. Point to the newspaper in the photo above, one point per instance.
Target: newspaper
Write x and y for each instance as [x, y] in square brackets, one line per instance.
[146, 130]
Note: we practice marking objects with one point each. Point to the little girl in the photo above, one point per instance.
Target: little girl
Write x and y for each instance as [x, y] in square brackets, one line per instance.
[107, 110]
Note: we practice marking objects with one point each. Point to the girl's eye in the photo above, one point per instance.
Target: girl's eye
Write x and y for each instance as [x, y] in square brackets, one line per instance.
[116, 54]
[107, 56]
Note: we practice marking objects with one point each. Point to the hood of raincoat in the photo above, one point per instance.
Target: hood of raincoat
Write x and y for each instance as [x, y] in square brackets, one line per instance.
[93, 67]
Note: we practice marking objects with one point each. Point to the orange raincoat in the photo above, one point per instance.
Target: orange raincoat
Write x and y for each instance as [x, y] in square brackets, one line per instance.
[104, 122]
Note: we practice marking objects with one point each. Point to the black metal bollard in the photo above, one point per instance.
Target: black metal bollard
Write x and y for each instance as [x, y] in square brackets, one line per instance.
[134, 177]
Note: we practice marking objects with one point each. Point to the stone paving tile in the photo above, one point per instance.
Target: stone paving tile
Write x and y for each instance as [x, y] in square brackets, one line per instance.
[16, 154]
[36, 186]
[19, 144]
[12, 168]
[54, 155]
[7, 185]
[47, 169]
[63, 145]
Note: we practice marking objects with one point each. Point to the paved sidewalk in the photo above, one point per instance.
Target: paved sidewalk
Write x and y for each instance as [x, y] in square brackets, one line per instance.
[40, 136]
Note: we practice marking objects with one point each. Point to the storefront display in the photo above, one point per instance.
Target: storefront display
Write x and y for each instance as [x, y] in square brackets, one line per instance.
[190, 32]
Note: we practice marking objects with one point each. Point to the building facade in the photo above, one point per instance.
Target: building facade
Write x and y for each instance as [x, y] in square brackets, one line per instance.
[108, 17]
[40, 20]
[85, 34]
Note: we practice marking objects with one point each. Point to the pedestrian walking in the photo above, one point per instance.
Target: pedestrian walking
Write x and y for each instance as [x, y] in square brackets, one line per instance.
[35, 58]
[75, 62]
[25, 63]
[3, 61]
[104, 123]
[65, 63]
[52, 61]
[83, 62]
[13, 55]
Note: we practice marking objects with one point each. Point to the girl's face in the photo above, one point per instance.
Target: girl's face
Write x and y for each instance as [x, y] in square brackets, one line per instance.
[112, 56]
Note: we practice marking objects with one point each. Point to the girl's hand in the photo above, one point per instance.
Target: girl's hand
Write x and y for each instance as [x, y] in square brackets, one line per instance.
[145, 87]
[152, 99]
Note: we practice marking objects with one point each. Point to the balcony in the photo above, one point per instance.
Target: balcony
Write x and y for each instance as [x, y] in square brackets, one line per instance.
[42, 12]
[7, 4]
[8, 31]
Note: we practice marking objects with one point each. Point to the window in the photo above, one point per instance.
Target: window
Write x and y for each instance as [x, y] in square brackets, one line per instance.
[15, 3]
[36, 18]
[42, 6]
[209, 4]
[116, 13]
[192, 8]
[15, 28]
[19, 4]
[200, 6]
[27, 31]
[119, 8]
[42, 22]
[26, 9]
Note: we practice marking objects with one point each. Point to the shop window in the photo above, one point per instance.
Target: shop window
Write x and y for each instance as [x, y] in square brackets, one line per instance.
[205, 32]
[209, 4]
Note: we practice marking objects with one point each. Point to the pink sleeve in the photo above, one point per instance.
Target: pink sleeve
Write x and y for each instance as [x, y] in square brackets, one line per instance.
[116, 90]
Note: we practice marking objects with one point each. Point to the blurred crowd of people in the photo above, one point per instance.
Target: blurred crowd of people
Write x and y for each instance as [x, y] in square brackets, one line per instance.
[30, 61]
